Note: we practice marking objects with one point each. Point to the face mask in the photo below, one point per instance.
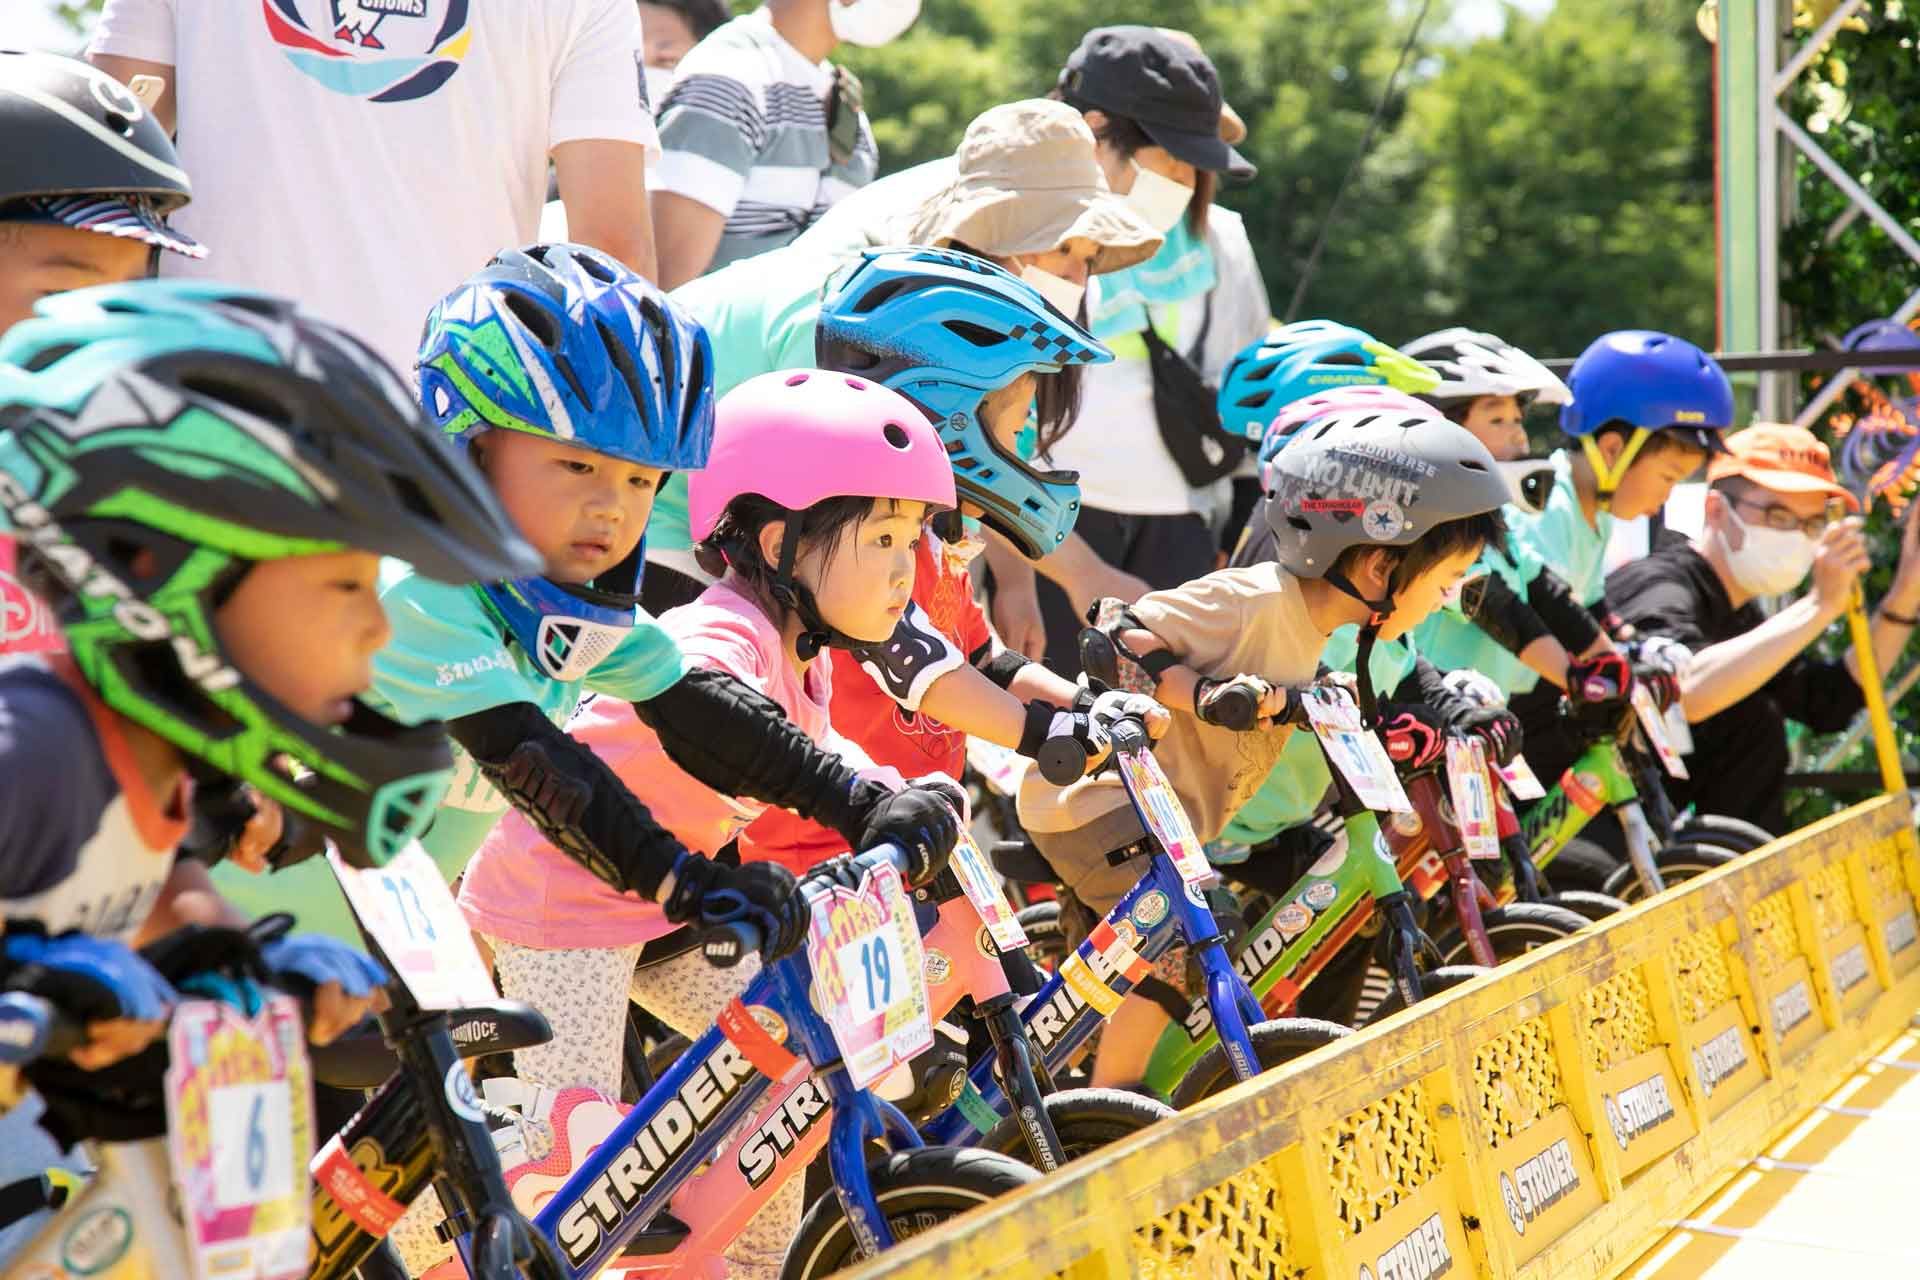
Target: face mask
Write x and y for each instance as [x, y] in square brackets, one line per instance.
[1063, 293]
[871, 23]
[1771, 561]
[1158, 199]
[659, 80]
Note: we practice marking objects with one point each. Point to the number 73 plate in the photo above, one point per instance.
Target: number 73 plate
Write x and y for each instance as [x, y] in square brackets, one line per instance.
[864, 947]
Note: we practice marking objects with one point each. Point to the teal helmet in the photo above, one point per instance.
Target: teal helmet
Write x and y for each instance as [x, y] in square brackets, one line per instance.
[157, 440]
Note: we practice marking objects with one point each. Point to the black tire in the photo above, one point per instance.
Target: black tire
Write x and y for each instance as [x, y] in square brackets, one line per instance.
[1046, 939]
[1514, 930]
[1582, 864]
[1085, 1119]
[1275, 1041]
[1594, 906]
[1676, 862]
[917, 1190]
[1433, 982]
[1720, 831]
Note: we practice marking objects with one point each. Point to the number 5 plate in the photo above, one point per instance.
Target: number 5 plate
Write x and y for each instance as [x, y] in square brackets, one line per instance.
[410, 912]
[864, 947]
[239, 1137]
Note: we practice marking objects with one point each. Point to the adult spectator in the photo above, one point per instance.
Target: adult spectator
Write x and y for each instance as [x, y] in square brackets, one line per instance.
[762, 134]
[1024, 191]
[1154, 103]
[1766, 529]
[366, 158]
[669, 29]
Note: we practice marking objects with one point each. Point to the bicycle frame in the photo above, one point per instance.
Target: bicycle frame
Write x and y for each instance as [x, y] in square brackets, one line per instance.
[1600, 778]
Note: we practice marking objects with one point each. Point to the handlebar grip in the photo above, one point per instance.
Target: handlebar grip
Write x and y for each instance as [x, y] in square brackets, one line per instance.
[723, 945]
[1062, 760]
[1237, 705]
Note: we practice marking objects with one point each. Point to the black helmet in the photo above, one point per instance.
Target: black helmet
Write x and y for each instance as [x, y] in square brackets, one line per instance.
[82, 151]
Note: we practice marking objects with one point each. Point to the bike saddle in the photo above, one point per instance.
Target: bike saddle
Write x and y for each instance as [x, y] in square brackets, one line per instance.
[1022, 863]
[361, 1059]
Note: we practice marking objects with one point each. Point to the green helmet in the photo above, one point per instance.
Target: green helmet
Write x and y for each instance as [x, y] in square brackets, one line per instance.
[159, 438]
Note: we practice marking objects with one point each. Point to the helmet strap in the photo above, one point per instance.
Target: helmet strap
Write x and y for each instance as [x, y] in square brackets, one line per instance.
[1363, 673]
[790, 593]
[1607, 478]
[1377, 610]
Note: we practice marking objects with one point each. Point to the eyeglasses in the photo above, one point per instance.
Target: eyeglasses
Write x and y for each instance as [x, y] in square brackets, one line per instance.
[1783, 520]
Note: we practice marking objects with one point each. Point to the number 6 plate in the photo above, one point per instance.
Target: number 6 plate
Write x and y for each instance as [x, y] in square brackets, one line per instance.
[864, 947]
[240, 1136]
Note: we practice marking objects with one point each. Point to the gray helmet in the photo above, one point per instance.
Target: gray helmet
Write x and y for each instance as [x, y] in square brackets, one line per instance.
[1372, 479]
[82, 151]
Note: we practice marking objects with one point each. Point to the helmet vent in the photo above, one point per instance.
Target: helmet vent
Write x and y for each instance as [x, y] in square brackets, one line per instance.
[798, 379]
[530, 314]
[978, 335]
[897, 436]
[880, 294]
[413, 498]
[622, 360]
[592, 266]
[1302, 525]
[46, 357]
[1342, 357]
[225, 391]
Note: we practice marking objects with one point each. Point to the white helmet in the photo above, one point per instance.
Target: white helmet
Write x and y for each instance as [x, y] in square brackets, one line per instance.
[1474, 364]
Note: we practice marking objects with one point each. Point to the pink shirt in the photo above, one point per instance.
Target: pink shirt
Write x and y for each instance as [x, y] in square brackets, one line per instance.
[520, 888]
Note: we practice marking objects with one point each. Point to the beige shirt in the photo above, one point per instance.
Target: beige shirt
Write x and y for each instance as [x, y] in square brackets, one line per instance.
[1250, 621]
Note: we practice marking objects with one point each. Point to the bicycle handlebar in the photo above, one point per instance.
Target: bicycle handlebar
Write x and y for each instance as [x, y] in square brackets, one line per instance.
[32, 1028]
[725, 943]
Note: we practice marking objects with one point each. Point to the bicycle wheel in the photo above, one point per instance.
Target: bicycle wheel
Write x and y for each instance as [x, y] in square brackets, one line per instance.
[1582, 864]
[1721, 831]
[1085, 1119]
[1676, 862]
[1433, 981]
[1593, 906]
[1513, 930]
[1275, 1041]
[917, 1190]
[1046, 940]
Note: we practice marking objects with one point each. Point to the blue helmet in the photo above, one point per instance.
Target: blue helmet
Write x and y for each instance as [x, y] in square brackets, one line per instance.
[1643, 381]
[562, 341]
[945, 329]
[1304, 359]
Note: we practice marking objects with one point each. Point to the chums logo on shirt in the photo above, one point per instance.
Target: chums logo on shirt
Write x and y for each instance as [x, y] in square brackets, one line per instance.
[374, 50]
[1637, 1109]
[1421, 1254]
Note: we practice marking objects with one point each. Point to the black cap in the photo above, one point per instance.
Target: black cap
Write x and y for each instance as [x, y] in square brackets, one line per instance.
[1168, 88]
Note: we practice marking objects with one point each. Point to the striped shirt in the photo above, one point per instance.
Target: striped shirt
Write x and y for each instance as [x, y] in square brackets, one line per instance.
[744, 130]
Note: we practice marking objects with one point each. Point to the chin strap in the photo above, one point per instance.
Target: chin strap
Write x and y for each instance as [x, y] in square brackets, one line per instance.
[790, 593]
[1607, 478]
[1363, 673]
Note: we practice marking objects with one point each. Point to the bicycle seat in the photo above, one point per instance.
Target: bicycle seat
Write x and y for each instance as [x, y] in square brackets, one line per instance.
[361, 1059]
[1020, 862]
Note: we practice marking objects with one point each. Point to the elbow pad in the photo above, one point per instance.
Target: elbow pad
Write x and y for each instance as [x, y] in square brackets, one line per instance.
[906, 663]
[1571, 624]
[1505, 617]
[739, 742]
[1003, 666]
[570, 795]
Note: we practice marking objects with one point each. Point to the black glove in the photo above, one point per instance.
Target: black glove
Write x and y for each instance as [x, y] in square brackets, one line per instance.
[1601, 681]
[763, 894]
[1233, 703]
[1414, 734]
[923, 819]
[1498, 727]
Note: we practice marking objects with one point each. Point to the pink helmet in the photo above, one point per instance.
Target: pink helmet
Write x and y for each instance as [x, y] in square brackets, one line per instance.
[804, 435]
[1380, 399]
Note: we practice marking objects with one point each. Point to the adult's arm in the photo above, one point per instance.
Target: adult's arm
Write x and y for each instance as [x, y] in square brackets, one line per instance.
[1079, 571]
[603, 186]
[125, 69]
[686, 234]
[1016, 604]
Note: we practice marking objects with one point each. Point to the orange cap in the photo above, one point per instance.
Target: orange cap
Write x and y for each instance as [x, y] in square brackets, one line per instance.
[1780, 457]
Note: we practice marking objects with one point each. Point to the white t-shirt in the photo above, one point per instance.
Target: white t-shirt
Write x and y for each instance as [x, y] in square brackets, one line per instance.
[1115, 443]
[365, 164]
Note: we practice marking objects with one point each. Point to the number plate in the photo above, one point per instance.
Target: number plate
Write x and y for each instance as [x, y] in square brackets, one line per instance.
[1472, 797]
[1001, 767]
[1162, 813]
[240, 1137]
[1653, 722]
[865, 951]
[1521, 781]
[1362, 761]
[984, 892]
[410, 912]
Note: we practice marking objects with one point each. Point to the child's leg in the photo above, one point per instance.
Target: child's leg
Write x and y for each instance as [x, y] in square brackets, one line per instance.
[584, 996]
[687, 994]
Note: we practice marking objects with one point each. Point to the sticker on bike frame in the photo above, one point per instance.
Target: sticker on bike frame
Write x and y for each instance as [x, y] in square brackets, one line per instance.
[240, 1137]
[410, 912]
[868, 976]
[1362, 761]
[984, 892]
[1161, 810]
[1521, 781]
[1653, 722]
[1472, 798]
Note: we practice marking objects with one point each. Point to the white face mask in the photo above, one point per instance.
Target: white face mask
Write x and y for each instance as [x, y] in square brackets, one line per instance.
[871, 23]
[1769, 562]
[1158, 199]
[659, 80]
[1063, 293]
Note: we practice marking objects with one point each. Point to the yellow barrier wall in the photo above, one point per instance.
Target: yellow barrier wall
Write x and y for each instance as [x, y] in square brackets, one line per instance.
[1545, 1122]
